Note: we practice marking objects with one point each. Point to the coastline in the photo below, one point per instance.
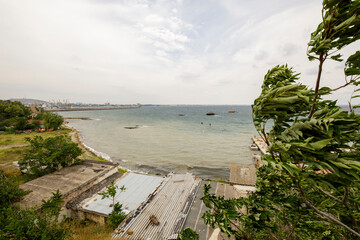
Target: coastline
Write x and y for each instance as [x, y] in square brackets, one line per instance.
[77, 138]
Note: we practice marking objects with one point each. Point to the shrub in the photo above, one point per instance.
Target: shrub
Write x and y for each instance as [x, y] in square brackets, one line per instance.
[52, 120]
[9, 190]
[116, 216]
[188, 234]
[16, 223]
[48, 155]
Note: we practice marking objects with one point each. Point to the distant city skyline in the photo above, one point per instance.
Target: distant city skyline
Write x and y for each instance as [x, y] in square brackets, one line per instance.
[156, 52]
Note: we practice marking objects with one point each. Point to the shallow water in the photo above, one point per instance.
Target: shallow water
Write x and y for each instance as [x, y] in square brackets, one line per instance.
[165, 142]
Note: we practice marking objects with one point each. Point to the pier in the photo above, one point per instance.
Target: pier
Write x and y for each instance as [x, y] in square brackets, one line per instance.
[90, 108]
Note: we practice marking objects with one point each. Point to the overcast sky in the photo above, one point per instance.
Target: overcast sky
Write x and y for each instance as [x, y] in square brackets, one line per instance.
[160, 51]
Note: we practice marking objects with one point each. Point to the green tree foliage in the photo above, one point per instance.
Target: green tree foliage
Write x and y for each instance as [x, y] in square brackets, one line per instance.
[52, 120]
[29, 224]
[9, 190]
[309, 184]
[117, 215]
[13, 113]
[48, 155]
[10, 109]
[188, 234]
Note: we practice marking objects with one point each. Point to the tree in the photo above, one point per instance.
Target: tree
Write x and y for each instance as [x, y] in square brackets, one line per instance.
[117, 215]
[308, 187]
[10, 109]
[13, 113]
[52, 120]
[48, 155]
[9, 190]
[16, 223]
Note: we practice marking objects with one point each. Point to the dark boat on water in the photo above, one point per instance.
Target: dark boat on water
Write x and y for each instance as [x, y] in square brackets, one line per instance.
[210, 113]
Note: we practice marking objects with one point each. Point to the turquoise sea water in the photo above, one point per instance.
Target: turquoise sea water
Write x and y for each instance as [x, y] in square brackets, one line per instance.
[165, 142]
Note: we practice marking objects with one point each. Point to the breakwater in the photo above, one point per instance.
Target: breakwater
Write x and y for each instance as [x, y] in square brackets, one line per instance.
[90, 109]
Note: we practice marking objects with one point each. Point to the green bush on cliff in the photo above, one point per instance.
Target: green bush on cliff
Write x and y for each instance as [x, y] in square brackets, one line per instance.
[29, 224]
[48, 155]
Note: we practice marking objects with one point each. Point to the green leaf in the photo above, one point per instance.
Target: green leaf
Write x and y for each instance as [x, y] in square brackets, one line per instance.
[345, 23]
[337, 58]
[320, 144]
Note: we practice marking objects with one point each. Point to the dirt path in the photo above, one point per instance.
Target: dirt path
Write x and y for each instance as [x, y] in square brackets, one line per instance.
[13, 146]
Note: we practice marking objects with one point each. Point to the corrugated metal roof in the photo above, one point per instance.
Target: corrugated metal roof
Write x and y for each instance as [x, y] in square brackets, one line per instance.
[169, 206]
[138, 188]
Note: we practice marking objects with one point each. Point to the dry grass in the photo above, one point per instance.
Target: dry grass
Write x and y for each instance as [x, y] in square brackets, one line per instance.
[86, 230]
[9, 155]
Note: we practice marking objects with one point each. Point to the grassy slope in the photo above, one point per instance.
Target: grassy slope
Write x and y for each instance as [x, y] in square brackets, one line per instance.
[15, 153]
[11, 152]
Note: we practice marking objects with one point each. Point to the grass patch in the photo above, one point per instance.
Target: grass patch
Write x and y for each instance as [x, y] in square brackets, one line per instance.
[14, 139]
[9, 155]
[122, 170]
[85, 230]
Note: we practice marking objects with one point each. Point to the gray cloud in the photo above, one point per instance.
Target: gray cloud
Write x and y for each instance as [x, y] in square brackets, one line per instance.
[289, 49]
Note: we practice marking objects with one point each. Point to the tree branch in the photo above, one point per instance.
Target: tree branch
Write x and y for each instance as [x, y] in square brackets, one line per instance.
[324, 214]
[330, 195]
[335, 89]
[321, 59]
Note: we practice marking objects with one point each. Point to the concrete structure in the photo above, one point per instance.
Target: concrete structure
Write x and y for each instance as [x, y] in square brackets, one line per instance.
[70, 181]
[242, 175]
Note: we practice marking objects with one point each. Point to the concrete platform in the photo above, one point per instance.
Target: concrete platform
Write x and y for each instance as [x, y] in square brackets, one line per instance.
[70, 181]
[242, 175]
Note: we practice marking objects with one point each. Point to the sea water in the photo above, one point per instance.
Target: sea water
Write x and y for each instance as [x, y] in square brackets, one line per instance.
[171, 138]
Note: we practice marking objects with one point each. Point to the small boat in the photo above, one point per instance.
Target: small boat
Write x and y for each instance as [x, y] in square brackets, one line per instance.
[210, 113]
[131, 127]
[181, 115]
[231, 111]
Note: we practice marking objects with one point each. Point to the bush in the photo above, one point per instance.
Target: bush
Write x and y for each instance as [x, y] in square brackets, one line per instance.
[16, 223]
[116, 216]
[188, 234]
[21, 124]
[52, 120]
[9, 190]
[48, 155]
[10, 109]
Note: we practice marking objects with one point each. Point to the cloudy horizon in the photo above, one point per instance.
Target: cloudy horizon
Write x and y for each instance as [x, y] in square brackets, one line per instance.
[156, 52]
